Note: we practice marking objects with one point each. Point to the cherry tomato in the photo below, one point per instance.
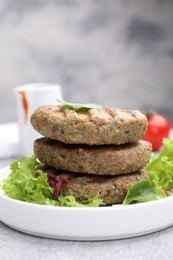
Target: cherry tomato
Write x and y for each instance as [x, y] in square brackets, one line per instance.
[159, 127]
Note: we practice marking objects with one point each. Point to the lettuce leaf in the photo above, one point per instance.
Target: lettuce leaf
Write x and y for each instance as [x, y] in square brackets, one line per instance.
[26, 184]
[70, 201]
[160, 169]
[160, 182]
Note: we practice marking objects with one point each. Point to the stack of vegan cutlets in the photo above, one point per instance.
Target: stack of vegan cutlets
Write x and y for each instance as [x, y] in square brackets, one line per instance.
[95, 152]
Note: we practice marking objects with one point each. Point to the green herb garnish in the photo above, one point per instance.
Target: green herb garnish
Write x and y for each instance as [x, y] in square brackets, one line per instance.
[80, 108]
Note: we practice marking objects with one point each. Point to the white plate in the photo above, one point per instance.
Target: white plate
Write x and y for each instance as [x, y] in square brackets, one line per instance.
[103, 223]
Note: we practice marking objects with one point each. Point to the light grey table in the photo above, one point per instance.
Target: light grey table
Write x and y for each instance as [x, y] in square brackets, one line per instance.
[15, 245]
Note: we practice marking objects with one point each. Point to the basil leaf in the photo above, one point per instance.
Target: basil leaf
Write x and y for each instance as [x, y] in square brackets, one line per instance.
[80, 108]
[141, 191]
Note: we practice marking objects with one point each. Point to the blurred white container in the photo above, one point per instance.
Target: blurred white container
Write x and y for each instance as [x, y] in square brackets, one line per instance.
[28, 98]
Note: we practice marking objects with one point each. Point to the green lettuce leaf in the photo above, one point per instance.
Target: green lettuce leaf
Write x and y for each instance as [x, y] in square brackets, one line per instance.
[26, 184]
[70, 201]
[80, 108]
[160, 172]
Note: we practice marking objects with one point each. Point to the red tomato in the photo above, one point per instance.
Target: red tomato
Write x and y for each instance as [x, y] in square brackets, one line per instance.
[159, 127]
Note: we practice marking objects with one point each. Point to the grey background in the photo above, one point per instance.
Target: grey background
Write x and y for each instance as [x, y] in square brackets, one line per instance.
[117, 53]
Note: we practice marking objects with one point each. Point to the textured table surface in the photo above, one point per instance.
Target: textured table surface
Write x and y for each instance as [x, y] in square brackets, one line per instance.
[15, 246]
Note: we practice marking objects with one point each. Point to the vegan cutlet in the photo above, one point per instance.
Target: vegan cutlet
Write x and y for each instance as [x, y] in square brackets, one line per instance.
[98, 126]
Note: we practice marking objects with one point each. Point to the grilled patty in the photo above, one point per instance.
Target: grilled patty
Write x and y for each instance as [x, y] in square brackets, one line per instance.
[111, 189]
[100, 160]
[96, 127]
